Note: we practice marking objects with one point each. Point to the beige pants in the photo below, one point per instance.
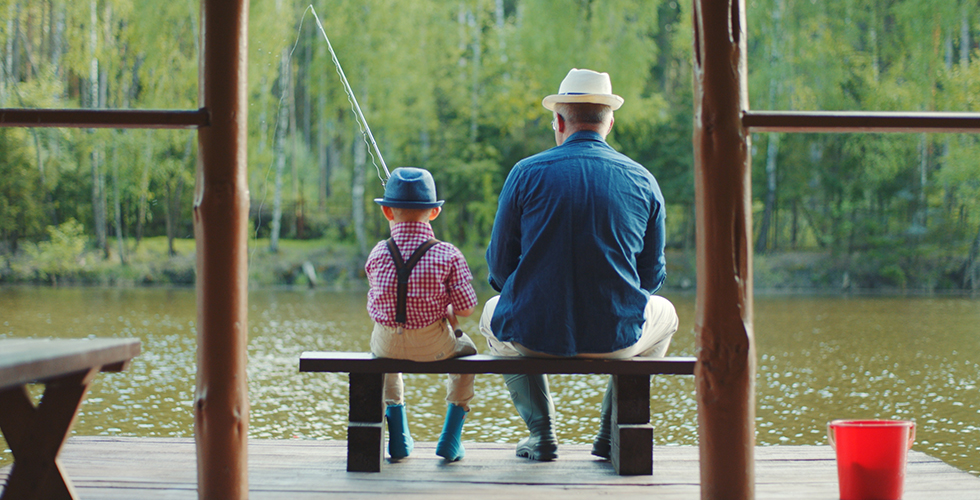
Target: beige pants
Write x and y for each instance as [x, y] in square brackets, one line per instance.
[659, 324]
[432, 343]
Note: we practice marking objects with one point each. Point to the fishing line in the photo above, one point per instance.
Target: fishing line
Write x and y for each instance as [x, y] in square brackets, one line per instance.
[361, 122]
[275, 132]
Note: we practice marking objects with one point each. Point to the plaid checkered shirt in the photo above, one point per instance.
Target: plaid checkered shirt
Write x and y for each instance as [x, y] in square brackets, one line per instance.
[440, 278]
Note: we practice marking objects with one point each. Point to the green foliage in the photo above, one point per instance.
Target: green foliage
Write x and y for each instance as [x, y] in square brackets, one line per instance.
[60, 256]
[864, 194]
[22, 212]
[894, 275]
[456, 87]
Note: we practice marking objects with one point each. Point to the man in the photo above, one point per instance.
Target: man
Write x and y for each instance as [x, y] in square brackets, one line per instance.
[577, 251]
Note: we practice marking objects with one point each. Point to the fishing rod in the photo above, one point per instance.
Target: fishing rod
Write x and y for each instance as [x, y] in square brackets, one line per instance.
[359, 116]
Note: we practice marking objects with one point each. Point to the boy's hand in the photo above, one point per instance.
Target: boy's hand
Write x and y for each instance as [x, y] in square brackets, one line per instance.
[451, 316]
[453, 321]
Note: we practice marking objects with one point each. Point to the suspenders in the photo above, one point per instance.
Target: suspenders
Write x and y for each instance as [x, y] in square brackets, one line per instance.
[404, 270]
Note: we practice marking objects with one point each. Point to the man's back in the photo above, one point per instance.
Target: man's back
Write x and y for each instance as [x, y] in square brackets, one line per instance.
[577, 248]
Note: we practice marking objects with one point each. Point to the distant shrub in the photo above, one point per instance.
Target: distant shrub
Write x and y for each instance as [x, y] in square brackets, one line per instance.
[893, 275]
[61, 255]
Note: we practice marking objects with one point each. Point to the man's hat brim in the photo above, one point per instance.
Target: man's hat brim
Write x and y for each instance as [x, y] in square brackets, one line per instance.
[611, 100]
[408, 204]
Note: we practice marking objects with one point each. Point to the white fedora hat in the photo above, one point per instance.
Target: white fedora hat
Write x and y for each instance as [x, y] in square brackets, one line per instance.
[584, 85]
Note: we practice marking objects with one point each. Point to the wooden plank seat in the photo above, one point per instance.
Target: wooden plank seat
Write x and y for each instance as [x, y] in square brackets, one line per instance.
[632, 434]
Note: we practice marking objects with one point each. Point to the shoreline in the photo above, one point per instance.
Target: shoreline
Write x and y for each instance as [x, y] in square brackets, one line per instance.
[485, 289]
[327, 265]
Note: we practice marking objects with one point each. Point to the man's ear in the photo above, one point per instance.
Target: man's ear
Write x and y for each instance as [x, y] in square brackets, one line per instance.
[389, 213]
[560, 123]
[611, 122]
[435, 213]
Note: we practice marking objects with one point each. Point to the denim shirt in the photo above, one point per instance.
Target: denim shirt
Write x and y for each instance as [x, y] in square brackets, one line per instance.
[576, 250]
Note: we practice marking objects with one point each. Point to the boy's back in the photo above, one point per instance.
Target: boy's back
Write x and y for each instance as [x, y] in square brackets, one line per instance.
[419, 322]
[440, 278]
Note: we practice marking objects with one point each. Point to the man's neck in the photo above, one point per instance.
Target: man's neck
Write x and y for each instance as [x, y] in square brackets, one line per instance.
[569, 131]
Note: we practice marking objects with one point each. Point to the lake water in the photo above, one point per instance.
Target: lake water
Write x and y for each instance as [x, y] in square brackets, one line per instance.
[819, 358]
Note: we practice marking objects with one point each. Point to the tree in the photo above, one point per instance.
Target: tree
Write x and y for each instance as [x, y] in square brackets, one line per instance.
[282, 127]
[21, 214]
[456, 87]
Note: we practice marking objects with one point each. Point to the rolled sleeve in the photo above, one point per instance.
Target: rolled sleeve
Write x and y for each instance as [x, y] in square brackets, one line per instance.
[651, 264]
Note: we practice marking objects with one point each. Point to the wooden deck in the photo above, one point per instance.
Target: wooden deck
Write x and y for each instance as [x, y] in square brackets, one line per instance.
[164, 468]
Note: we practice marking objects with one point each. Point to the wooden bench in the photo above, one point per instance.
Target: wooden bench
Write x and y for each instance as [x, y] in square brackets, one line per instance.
[632, 434]
[35, 433]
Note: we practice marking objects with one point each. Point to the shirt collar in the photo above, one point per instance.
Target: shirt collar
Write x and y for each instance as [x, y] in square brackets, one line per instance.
[584, 135]
[404, 229]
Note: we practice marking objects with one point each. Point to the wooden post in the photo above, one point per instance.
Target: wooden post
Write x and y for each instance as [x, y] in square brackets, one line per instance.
[220, 231]
[365, 428]
[632, 434]
[725, 370]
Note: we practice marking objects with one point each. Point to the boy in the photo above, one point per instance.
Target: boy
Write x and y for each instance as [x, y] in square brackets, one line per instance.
[414, 302]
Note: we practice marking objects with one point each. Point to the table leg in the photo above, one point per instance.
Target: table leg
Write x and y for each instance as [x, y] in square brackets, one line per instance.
[632, 434]
[365, 430]
[36, 433]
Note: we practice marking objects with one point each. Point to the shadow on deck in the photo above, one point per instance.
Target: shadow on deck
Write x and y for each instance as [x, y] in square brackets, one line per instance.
[165, 468]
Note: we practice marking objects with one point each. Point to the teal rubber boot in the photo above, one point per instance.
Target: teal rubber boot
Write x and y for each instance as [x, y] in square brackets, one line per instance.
[602, 445]
[532, 398]
[450, 444]
[400, 442]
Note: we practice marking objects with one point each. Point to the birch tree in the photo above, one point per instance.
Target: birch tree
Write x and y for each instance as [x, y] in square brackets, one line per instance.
[282, 125]
[98, 179]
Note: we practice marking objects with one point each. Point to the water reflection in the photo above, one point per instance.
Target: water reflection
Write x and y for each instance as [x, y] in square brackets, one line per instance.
[820, 358]
[901, 358]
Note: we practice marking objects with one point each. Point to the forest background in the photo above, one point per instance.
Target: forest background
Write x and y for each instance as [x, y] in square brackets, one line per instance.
[455, 86]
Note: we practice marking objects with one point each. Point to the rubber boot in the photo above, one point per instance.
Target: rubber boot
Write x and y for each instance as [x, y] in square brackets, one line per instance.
[533, 402]
[602, 445]
[450, 445]
[400, 442]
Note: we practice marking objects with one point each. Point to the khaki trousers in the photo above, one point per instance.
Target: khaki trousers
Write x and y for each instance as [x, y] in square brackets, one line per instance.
[432, 343]
[659, 324]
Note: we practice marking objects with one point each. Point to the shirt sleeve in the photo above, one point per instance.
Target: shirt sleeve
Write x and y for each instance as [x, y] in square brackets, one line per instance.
[371, 265]
[461, 293]
[504, 250]
[651, 264]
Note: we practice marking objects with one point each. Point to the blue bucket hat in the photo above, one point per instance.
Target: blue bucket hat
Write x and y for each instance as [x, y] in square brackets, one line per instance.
[410, 187]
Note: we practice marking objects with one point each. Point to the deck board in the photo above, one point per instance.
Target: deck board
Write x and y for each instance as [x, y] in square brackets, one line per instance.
[113, 468]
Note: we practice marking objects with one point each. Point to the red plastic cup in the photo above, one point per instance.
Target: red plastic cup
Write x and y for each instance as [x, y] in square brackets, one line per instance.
[871, 456]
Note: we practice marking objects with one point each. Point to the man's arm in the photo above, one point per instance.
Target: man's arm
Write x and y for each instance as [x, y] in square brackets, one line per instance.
[504, 250]
[650, 264]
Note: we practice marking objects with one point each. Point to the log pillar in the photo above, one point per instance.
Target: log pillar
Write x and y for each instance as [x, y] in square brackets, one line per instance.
[366, 423]
[221, 203]
[725, 371]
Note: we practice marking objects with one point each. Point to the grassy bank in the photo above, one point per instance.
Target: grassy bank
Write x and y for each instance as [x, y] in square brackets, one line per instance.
[328, 264]
[66, 261]
[150, 263]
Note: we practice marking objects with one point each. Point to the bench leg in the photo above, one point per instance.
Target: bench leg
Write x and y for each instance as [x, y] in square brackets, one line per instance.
[35, 435]
[632, 434]
[365, 430]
